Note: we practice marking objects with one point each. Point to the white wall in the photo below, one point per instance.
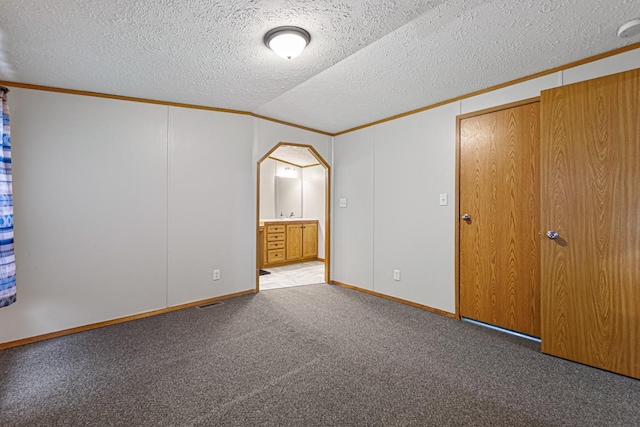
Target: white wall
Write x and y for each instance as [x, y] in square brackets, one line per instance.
[210, 208]
[268, 134]
[392, 174]
[124, 207]
[313, 200]
[614, 64]
[90, 181]
[414, 162]
[267, 189]
[352, 227]
[525, 90]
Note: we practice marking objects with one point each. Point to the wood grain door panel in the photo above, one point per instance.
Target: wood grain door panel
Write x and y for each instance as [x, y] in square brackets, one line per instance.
[590, 167]
[262, 255]
[500, 245]
[294, 242]
[310, 241]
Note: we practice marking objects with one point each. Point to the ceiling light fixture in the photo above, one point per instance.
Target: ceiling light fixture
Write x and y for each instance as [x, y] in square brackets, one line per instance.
[630, 29]
[287, 42]
[287, 172]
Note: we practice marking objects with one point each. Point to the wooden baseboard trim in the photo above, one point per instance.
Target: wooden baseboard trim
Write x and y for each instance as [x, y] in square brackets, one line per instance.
[399, 300]
[297, 261]
[30, 340]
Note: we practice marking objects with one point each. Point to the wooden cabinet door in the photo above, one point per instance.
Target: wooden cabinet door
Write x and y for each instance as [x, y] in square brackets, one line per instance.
[590, 165]
[310, 241]
[262, 253]
[499, 244]
[294, 242]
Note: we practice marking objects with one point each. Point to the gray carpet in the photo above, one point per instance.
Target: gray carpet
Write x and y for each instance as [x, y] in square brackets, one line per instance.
[307, 356]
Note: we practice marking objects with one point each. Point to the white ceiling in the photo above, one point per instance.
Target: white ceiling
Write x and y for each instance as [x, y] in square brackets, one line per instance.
[299, 156]
[367, 60]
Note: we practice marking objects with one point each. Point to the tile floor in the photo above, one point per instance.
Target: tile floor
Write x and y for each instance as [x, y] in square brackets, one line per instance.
[304, 273]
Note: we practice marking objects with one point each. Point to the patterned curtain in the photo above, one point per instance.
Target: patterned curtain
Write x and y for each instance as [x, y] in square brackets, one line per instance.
[7, 257]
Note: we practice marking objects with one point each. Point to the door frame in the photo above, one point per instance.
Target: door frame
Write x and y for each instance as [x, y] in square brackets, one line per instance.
[459, 118]
[327, 208]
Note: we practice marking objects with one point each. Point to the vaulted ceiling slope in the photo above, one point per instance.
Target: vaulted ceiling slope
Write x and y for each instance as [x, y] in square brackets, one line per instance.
[367, 60]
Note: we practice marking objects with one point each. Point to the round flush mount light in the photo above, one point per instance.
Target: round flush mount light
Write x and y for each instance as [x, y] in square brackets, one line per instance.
[630, 29]
[287, 42]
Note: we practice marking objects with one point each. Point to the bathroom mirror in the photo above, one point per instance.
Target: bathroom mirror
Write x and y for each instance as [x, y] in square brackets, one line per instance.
[288, 196]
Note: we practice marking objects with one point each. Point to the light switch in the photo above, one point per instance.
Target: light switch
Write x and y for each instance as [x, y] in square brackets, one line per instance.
[343, 202]
[444, 200]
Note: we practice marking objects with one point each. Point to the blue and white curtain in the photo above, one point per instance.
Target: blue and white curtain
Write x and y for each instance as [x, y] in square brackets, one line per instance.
[7, 256]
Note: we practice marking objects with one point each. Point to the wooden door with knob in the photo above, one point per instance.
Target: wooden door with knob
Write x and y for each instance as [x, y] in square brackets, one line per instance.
[590, 167]
[499, 242]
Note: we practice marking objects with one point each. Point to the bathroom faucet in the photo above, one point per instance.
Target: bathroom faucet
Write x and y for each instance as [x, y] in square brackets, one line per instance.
[281, 214]
[291, 215]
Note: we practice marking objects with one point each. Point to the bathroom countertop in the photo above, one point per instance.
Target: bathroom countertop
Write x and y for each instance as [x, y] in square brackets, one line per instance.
[262, 221]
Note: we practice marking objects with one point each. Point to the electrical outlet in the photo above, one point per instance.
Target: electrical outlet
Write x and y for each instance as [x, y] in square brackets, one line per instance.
[343, 202]
[396, 275]
[444, 200]
[216, 274]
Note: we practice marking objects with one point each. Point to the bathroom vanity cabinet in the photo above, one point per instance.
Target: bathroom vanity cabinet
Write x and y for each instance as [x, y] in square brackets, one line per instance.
[289, 241]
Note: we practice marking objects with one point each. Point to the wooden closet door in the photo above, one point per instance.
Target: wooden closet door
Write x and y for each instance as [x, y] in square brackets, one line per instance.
[499, 244]
[590, 167]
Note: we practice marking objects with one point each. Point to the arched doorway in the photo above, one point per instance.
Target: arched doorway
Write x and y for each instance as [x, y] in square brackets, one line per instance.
[285, 224]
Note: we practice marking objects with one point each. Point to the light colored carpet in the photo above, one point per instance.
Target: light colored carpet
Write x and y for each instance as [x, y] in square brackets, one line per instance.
[305, 273]
[304, 356]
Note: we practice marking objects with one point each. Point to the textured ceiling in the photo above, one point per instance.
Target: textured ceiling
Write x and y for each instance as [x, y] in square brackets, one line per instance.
[458, 48]
[203, 52]
[367, 60]
[299, 156]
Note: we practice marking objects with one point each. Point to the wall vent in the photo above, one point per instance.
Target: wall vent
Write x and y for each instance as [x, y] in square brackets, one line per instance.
[211, 304]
